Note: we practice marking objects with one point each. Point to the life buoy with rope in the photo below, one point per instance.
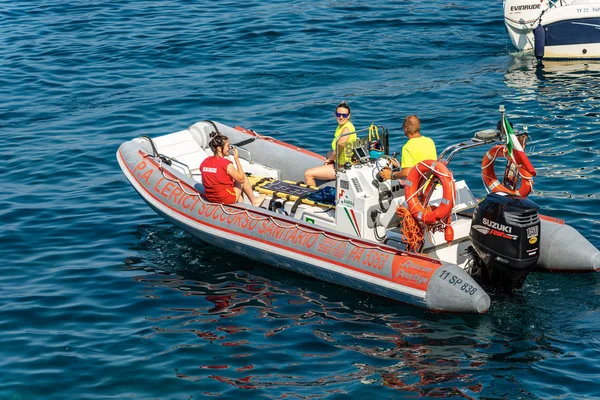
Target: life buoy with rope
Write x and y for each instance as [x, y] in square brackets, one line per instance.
[489, 175]
[417, 205]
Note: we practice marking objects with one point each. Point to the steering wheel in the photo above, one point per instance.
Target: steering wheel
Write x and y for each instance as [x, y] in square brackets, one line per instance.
[385, 196]
[385, 161]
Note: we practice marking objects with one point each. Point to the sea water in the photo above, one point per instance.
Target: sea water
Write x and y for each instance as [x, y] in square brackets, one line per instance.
[100, 298]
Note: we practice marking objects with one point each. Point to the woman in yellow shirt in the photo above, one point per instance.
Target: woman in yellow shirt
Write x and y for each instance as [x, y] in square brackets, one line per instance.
[327, 171]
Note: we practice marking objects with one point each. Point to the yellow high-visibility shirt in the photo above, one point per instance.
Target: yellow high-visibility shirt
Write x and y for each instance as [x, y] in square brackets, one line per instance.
[342, 158]
[416, 150]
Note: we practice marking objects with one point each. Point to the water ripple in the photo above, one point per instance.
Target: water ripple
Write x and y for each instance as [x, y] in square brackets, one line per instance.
[102, 299]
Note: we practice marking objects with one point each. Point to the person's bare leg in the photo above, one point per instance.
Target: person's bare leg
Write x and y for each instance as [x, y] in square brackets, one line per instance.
[238, 191]
[256, 201]
[324, 172]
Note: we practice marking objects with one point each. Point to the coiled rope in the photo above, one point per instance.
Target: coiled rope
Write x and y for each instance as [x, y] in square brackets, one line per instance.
[413, 230]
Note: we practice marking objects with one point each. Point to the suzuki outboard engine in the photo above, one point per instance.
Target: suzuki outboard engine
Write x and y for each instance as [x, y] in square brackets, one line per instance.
[506, 237]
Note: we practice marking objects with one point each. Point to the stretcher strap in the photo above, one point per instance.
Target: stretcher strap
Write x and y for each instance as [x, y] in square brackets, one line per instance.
[298, 192]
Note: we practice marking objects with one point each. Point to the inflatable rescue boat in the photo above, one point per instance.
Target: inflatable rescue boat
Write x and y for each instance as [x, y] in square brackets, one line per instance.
[425, 241]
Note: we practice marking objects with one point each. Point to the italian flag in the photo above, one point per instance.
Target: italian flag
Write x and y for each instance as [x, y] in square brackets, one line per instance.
[515, 151]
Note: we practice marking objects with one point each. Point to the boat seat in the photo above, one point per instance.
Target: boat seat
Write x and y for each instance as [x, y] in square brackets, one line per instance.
[200, 132]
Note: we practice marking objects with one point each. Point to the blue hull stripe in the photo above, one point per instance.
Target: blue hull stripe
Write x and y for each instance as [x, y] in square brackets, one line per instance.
[573, 31]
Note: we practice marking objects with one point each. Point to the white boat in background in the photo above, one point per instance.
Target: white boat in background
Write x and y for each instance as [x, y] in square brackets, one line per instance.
[361, 232]
[555, 29]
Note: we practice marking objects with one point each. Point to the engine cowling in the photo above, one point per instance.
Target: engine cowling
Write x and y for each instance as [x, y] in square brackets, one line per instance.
[505, 233]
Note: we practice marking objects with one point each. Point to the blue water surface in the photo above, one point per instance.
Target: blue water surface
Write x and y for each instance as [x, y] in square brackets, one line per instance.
[102, 299]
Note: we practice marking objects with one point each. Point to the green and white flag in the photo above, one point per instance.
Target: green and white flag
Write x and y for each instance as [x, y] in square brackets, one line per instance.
[515, 150]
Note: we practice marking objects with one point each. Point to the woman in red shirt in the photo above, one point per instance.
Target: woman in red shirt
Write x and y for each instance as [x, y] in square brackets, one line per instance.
[223, 183]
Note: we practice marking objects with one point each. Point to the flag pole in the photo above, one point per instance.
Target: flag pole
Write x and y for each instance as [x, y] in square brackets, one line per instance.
[503, 130]
[511, 169]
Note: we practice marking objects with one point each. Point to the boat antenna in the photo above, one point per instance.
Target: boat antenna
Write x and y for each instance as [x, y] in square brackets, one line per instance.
[502, 131]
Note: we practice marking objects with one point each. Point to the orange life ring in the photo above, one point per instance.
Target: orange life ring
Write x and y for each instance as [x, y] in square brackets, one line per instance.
[415, 181]
[491, 181]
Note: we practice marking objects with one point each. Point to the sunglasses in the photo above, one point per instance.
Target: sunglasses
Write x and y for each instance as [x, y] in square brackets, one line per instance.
[343, 115]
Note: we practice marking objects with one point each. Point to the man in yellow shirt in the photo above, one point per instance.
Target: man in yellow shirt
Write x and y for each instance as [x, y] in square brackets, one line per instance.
[415, 150]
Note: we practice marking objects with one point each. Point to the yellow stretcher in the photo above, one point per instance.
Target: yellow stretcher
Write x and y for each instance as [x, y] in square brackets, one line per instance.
[298, 192]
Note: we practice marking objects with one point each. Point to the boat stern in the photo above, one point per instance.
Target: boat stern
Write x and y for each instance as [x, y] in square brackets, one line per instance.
[520, 18]
[563, 248]
[452, 289]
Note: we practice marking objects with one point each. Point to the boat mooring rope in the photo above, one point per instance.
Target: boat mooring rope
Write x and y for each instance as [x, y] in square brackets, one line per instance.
[411, 229]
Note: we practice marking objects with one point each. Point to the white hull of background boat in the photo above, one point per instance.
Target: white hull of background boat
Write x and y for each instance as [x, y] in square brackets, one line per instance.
[555, 30]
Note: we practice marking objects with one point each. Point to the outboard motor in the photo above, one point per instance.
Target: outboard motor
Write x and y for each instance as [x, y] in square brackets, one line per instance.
[506, 237]
[520, 18]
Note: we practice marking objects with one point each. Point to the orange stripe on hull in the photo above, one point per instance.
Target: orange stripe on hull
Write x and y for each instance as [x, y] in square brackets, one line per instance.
[412, 272]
